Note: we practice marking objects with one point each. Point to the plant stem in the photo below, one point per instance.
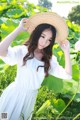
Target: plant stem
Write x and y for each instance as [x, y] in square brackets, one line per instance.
[76, 116]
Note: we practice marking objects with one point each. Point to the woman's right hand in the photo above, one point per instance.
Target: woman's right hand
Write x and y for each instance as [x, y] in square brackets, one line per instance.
[22, 25]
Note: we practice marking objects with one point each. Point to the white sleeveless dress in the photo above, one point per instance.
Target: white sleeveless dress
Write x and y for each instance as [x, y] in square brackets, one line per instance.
[19, 98]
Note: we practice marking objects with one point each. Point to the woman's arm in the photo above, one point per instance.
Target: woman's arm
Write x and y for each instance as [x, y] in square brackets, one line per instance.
[7, 41]
[66, 49]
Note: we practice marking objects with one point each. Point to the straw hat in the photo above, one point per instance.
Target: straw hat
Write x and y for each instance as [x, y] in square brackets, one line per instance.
[50, 18]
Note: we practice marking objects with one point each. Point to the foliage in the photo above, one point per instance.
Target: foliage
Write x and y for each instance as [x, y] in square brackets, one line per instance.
[45, 3]
[12, 12]
[56, 97]
[55, 104]
[74, 15]
[19, 10]
[7, 77]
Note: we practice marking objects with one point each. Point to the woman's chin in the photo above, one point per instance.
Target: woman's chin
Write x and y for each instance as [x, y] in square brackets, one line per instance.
[40, 47]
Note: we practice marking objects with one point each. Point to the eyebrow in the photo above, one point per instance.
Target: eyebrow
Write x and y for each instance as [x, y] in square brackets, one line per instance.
[45, 35]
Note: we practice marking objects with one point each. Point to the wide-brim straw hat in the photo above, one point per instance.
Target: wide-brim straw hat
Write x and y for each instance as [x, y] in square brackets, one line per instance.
[50, 18]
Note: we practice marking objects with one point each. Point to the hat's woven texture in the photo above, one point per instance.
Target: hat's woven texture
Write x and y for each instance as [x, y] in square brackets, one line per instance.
[51, 18]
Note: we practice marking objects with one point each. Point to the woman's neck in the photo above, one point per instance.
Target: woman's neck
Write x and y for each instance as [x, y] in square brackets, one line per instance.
[38, 50]
[38, 54]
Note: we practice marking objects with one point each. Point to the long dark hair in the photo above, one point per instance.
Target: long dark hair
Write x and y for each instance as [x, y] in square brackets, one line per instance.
[33, 42]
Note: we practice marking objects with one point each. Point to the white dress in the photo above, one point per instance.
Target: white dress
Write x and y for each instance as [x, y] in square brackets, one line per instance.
[19, 98]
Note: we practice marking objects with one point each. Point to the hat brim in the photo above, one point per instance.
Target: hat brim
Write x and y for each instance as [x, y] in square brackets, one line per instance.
[50, 18]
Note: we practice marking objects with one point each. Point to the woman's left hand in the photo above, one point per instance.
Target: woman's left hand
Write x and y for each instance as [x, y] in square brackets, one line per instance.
[65, 46]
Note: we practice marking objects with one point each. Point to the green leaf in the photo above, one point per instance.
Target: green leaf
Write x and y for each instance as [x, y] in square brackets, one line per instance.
[43, 107]
[53, 83]
[58, 104]
[77, 97]
[75, 72]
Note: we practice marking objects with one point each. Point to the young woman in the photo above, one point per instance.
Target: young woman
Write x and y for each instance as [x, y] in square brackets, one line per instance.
[34, 61]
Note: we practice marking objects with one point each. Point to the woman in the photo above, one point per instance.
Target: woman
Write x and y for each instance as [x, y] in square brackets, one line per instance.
[34, 61]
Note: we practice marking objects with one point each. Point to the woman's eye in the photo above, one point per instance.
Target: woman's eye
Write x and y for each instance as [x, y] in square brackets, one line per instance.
[42, 36]
[49, 40]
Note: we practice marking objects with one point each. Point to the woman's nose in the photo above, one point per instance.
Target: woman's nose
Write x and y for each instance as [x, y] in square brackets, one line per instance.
[44, 42]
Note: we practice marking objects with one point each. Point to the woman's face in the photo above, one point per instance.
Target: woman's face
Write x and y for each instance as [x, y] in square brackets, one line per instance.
[45, 39]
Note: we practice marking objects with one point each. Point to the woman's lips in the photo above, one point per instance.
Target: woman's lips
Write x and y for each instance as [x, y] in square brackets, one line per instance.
[41, 46]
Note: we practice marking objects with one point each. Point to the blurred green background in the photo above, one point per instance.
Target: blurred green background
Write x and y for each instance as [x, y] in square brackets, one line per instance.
[57, 99]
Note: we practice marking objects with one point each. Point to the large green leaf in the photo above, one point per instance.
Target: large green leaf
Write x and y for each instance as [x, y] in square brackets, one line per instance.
[53, 83]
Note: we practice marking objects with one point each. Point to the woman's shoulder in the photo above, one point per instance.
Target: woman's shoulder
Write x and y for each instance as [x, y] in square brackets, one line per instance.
[24, 49]
[24, 46]
[20, 49]
[54, 58]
